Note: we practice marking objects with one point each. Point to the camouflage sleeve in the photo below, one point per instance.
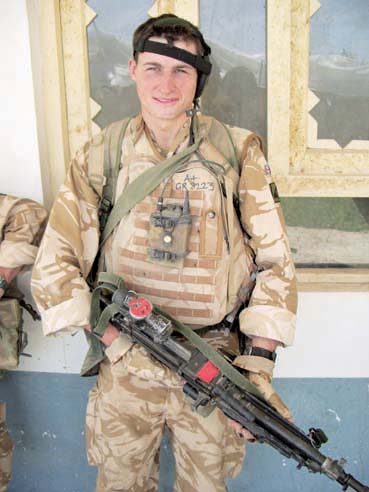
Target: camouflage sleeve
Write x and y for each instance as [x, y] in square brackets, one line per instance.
[66, 253]
[22, 222]
[271, 312]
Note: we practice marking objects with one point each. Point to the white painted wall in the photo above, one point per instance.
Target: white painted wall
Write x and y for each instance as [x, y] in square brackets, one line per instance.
[332, 337]
[19, 169]
[333, 328]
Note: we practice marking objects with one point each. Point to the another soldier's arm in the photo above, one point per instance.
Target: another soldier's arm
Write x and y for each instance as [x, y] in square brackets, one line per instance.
[23, 226]
[67, 252]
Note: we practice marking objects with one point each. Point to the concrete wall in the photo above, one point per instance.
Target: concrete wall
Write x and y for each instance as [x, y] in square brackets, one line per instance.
[324, 377]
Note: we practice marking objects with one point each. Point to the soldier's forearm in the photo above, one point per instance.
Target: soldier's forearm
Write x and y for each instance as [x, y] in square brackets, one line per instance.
[265, 343]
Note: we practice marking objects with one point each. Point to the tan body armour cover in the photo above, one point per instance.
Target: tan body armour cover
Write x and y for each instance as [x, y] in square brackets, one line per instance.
[208, 284]
[206, 287]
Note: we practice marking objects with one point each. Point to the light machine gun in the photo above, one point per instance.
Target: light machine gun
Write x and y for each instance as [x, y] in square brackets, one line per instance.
[207, 386]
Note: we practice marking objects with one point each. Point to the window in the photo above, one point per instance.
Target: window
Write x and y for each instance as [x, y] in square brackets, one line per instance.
[307, 97]
[109, 49]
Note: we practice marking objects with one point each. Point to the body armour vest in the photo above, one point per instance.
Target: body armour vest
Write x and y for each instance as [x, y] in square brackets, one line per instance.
[183, 246]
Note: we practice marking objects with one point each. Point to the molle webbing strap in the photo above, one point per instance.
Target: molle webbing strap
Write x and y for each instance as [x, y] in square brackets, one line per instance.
[112, 155]
[105, 149]
[234, 159]
[143, 185]
[103, 175]
[111, 282]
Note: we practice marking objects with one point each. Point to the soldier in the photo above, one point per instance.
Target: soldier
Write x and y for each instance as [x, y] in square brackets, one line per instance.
[193, 245]
[21, 224]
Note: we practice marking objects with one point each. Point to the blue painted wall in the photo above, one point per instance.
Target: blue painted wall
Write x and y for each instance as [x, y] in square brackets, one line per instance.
[46, 421]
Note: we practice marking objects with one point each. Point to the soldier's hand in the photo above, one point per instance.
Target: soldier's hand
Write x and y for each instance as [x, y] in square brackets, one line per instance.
[241, 431]
[111, 333]
[259, 372]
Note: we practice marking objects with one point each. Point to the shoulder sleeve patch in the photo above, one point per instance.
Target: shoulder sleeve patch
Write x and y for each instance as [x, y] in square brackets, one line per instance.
[267, 170]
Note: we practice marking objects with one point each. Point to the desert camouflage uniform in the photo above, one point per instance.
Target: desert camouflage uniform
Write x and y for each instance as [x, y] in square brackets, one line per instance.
[135, 397]
[6, 451]
[21, 225]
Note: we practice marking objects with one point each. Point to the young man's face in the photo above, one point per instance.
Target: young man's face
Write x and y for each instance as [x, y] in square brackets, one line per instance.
[165, 86]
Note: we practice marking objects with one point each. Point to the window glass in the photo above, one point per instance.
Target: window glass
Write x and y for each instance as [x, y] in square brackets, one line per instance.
[236, 92]
[339, 69]
[328, 232]
[109, 48]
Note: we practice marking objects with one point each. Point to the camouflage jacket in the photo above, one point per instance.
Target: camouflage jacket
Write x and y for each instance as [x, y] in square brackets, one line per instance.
[22, 222]
[71, 240]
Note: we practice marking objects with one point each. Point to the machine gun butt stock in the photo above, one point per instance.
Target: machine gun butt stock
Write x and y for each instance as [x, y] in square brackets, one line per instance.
[155, 332]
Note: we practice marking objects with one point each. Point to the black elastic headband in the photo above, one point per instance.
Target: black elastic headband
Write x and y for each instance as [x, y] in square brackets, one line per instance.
[175, 21]
[200, 63]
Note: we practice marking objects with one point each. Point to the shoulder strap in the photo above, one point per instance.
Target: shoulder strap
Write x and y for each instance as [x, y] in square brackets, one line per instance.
[105, 149]
[221, 139]
[143, 185]
[112, 156]
[233, 159]
[104, 158]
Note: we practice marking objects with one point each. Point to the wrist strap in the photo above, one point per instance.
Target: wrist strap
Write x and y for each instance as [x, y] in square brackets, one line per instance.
[261, 352]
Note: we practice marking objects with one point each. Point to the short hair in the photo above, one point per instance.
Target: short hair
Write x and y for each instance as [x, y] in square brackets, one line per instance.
[172, 28]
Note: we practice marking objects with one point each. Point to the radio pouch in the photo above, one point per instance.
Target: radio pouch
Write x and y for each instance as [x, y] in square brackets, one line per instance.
[170, 229]
[12, 338]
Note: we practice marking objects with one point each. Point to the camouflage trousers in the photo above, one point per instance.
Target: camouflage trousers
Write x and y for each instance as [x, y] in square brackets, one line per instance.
[128, 410]
[6, 452]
